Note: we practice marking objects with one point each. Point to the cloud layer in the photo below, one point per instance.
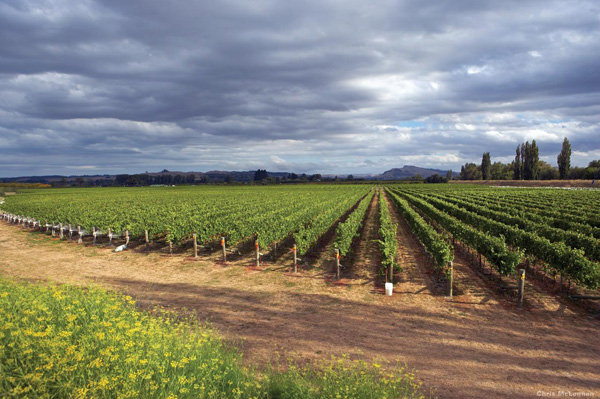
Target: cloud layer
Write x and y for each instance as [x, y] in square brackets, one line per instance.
[323, 86]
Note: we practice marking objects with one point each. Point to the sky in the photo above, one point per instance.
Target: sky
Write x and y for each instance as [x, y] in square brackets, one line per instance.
[112, 86]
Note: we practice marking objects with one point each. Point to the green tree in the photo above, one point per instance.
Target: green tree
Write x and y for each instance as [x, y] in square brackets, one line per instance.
[547, 171]
[470, 171]
[260, 175]
[518, 172]
[501, 171]
[525, 160]
[564, 159]
[534, 159]
[486, 165]
[593, 170]
[527, 166]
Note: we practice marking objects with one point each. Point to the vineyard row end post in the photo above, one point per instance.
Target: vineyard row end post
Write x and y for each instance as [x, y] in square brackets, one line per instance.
[195, 236]
[223, 248]
[295, 259]
[337, 264]
[450, 278]
[256, 246]
[521, 287]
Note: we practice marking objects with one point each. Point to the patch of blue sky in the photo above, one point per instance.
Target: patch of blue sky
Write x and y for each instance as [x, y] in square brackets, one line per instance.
[410, 124]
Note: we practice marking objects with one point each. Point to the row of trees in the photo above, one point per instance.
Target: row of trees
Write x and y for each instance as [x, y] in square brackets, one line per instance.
[526, 163]
[528, 166]
[148, 180]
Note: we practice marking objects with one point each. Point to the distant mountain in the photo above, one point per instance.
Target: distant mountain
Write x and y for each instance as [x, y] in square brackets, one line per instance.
[217, 176]
[408, 171]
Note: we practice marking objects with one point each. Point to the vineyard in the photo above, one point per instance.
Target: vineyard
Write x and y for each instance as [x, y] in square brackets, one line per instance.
[323, 254]
[558, 230]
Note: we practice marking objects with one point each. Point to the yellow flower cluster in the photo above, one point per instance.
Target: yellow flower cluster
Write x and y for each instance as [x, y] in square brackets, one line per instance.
[64, 341]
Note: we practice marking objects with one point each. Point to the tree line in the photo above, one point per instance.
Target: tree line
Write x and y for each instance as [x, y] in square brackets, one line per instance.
[527, 166]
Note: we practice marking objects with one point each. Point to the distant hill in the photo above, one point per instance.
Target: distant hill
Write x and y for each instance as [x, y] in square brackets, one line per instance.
[213, 176]
[216, 176]
[408, 171]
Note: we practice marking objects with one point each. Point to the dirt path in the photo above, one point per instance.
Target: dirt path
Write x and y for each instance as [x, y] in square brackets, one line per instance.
[364, 263]
[464, 350]
[415, 280]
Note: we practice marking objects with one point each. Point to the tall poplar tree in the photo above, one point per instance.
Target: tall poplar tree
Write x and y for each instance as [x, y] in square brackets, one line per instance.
[564, 159]
[518, 172]
[526, 160]
[486, 165]
[534, 159]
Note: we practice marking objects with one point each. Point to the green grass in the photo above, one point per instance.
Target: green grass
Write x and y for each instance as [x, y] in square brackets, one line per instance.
[70, 342]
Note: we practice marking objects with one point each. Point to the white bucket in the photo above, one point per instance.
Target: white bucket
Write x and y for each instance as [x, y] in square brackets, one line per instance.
[389, 288]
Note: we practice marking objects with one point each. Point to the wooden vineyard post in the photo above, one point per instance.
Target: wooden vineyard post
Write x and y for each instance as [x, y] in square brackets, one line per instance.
[256, 246]
[60, 233]
[391, 273]
[295, 259]
[126, 237]
[337, 264]
[450, 278]
[521, 287]
[147, 240]
[223, 248]
[170, 247]
[195, 245]
[79, 240]
[94, 235]
[109, 237]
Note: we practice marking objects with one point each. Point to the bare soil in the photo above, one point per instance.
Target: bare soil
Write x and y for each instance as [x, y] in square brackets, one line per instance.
[477, 346]
[532, 183]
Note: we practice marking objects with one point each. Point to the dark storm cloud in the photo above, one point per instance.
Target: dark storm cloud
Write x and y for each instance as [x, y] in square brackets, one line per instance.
[315, 86]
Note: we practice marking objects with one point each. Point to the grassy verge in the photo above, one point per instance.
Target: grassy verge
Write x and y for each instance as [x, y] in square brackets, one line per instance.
[70, 342]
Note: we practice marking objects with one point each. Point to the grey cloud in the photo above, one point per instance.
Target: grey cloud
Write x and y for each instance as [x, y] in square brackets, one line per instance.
[170, 84]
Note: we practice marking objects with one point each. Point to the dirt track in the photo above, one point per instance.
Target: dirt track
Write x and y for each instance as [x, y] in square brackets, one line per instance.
[478, 346]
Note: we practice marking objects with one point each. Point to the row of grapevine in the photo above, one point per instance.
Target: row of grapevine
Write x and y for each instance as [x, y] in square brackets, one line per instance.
[238, 213]
[567, 202]
[388, 244]
[551, 218]
[308, 235]
[493, 248]
[350, 229]
[589, 245]
[435, 243]
[557, 209]
[567, 261]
